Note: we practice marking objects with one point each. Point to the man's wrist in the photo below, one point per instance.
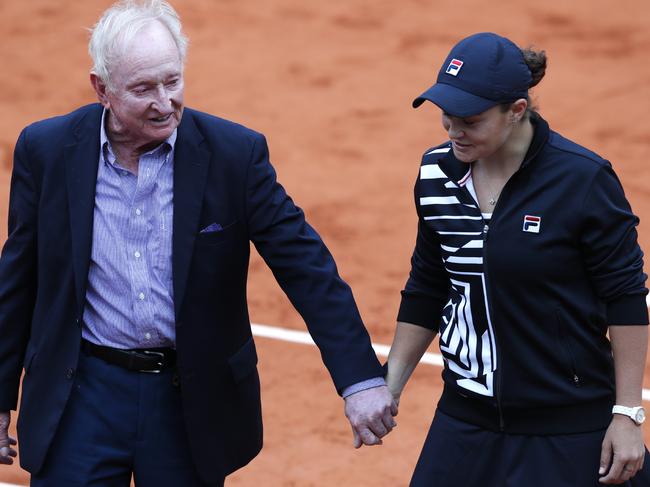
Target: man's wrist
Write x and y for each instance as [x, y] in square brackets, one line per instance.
[362, 386]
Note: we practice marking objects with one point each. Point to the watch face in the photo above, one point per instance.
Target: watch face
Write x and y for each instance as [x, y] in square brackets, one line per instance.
[640, 416]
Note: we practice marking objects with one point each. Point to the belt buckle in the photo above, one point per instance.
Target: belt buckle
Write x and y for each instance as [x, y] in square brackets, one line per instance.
[161, 362]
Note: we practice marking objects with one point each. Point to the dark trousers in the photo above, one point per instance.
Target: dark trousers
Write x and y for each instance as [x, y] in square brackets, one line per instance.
[456, 453]
[116, 424]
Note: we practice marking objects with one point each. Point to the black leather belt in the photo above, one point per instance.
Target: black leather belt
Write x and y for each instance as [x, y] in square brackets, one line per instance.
[153, 360]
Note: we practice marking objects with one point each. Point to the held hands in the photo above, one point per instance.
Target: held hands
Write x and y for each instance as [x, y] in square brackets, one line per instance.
[622, 451]
[7, 453]
[370, 413]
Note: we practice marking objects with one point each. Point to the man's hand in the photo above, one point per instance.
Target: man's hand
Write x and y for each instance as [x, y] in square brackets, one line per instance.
[622, 451]
[370, 413]
[7, 453]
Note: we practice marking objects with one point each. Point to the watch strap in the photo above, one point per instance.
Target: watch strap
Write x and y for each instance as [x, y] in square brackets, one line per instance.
[623, 410]
[630, 412]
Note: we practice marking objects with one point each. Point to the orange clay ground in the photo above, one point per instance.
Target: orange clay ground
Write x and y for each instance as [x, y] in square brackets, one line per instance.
[330, 84]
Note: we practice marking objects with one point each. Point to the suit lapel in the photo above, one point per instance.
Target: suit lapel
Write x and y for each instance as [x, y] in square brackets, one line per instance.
[191, 163]
[81, 159]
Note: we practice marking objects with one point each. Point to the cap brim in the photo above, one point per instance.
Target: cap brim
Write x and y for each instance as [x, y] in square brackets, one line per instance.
[454, 101]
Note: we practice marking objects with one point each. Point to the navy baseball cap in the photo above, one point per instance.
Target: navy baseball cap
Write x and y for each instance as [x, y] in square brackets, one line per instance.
[481, 71]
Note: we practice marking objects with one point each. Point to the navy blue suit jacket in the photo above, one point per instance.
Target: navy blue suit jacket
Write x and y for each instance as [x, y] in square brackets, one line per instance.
[222, 174]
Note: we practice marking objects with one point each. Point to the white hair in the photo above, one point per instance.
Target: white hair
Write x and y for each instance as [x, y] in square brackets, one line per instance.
[120, 24]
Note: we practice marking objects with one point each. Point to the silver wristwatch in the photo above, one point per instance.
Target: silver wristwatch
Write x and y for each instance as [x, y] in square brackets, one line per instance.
[636, 414]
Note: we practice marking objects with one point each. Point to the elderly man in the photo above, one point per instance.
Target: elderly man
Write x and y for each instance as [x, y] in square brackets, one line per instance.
[123, 280]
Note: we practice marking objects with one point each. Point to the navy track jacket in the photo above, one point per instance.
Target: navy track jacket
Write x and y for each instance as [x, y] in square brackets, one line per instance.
[522, 305]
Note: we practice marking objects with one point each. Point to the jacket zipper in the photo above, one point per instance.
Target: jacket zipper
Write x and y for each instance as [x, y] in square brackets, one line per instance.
[486, 229]
[497, 380]
[488, 312]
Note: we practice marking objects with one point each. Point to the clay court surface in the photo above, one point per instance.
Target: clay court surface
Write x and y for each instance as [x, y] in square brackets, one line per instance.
[330, 84]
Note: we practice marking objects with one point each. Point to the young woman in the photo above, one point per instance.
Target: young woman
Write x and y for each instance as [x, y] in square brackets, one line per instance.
[526, 259]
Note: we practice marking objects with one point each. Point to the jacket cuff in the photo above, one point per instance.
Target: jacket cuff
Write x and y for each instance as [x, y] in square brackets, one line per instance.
[8, 398]
[420, 310]
[628, 309]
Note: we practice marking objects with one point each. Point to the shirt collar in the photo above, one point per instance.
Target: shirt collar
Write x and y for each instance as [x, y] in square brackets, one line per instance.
[107, 151]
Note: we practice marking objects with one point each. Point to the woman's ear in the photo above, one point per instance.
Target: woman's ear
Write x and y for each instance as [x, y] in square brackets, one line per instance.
[518, 110]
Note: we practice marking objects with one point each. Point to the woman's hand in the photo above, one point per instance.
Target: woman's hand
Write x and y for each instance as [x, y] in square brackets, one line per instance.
[622, 452]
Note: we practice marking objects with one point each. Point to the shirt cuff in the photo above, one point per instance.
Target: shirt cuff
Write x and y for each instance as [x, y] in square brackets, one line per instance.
[363, 385]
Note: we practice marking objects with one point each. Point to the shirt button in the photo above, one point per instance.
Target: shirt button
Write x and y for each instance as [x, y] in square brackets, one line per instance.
[141, 296]
[147, 335]
[138, 211]
[137, 254]
[69, 373]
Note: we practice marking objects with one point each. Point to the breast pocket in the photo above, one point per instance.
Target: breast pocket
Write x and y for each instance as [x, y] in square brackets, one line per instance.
[220, 235]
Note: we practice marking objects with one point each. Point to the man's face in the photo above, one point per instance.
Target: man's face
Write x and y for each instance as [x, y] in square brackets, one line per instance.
[145, 101]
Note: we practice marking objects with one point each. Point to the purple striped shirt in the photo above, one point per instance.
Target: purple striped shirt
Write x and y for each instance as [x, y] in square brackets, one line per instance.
[129, 300]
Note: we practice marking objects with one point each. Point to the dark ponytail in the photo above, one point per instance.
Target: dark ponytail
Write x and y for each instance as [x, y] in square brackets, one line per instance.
[536, 61]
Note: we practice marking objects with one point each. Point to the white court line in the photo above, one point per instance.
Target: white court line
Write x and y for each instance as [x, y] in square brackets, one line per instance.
[303, 337]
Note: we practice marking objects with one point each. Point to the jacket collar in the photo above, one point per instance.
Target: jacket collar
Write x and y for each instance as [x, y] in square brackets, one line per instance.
[540, 137]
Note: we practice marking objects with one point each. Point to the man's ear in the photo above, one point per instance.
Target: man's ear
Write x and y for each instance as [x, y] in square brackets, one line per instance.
[100, 88]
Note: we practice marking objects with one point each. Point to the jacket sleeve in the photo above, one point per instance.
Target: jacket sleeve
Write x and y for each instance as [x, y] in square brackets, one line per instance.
[306, 272]
[17, 276]
[427, 288]
[612, 255]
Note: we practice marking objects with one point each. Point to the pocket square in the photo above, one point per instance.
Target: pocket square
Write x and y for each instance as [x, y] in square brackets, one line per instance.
[212, 227]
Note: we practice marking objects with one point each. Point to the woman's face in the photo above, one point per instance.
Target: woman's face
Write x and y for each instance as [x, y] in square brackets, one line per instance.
[479, 136]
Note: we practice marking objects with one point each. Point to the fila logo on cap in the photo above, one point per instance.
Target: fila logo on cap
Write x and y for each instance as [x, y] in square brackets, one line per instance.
[532, 223]
[454, 67]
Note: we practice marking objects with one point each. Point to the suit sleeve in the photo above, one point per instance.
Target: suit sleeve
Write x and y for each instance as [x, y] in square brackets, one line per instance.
[17, 276]
[427, 288]
[307, 273]
[612, 255]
